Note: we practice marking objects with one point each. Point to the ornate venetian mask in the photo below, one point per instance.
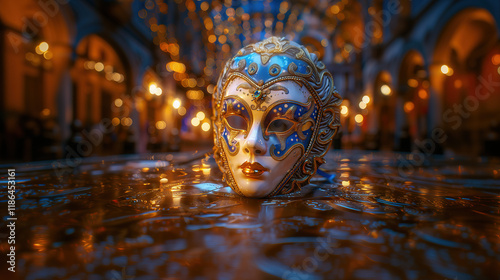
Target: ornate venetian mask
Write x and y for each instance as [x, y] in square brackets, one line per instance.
[276, 111]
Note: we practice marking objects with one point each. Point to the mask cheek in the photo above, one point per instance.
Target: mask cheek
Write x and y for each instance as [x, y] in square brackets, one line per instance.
[230, 143]
[234, 151]
[282, 147]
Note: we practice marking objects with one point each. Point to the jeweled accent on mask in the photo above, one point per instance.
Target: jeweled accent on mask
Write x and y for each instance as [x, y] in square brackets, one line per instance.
[291, 114]
[274, 70]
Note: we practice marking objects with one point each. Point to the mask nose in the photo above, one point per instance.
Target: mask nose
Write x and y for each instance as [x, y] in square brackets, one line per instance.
[255, 144]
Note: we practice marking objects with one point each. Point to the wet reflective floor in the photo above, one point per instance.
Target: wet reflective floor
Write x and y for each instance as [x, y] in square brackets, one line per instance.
[169, 216]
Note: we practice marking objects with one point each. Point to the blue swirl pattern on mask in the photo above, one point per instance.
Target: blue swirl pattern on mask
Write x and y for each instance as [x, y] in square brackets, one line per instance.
[233, 106]
[262, 73]
[292, 139]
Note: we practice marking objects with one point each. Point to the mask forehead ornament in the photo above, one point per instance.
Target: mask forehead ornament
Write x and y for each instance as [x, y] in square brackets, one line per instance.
[276, 112]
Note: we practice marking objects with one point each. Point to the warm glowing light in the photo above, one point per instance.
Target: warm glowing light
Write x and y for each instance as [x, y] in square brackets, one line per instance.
[409, 106]
[412, 83]
[498, 70]
[346, 183]
[422, 93]
[99, 66]
[126, 121]
[212, 38]
[117, 77]
[191, 82]
[38, 51]
[89, 64]
[200, 115]
[177, 67]
[495, 59]
[204, 6]
[161, 125]
[195, 121]
[358, 118]
[366, 99]
[362, 105]
[446, 70]
[177, 103]
[115, 121]
[45, 112]
[457, 83]
[195, 94]
[43, 46]
[48, 55]
[348, 48]
[118, 102]
[152, 88]
[205, 126]
[163, 180]
[210, 88]
[182, 111]
[222, 39]
[385, 90]
[335, 9]
[344, 110]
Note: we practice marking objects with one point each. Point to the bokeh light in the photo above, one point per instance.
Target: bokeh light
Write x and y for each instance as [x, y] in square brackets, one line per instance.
[385, 90]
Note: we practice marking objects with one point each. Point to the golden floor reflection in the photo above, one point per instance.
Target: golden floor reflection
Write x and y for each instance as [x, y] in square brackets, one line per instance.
[133, 217]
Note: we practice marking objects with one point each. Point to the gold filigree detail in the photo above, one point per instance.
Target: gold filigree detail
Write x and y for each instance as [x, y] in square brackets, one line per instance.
[245, 86]
[264, 58]
[292, 68]
[285, 155]
[271, 45]
[305, 120]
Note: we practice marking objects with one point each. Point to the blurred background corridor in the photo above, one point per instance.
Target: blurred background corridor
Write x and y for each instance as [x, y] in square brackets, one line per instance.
[118, 77]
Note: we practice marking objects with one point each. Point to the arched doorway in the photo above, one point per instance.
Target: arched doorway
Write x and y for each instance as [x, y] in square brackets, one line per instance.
[384, 100]
[414, 91]
[101, 94]
[464, 67]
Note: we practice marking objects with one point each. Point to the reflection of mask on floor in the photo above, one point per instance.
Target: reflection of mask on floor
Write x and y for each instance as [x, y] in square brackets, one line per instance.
[276, 111]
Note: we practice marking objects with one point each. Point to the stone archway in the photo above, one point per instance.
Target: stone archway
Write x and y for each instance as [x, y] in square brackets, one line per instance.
[462, 62]
[100, 92]
[36, 51]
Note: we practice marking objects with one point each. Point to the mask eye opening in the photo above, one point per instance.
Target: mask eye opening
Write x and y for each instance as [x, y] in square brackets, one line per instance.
[236, 122]
[280, 126]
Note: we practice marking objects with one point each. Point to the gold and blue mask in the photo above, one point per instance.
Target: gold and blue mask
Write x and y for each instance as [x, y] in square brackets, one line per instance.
[276, 112]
